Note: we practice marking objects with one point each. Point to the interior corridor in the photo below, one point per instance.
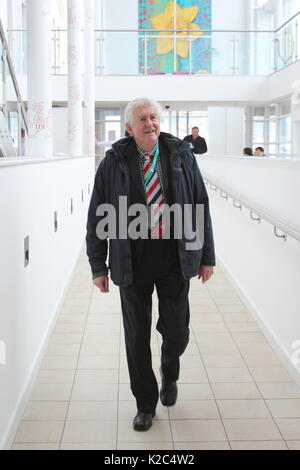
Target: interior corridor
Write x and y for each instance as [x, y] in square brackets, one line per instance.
[234, 391]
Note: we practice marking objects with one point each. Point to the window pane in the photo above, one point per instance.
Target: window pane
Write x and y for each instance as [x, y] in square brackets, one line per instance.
[272, 131]
[285, 108]
[285, 129]
[272, 148]
[272, 111]
[258, 131]
[285, 149]
[258, 114]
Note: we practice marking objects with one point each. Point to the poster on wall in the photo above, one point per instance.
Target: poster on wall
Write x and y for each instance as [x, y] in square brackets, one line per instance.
[162, 51]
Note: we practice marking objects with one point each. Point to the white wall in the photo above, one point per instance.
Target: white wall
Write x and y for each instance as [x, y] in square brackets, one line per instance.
[226, 130]
[30, 297]
[264, 269]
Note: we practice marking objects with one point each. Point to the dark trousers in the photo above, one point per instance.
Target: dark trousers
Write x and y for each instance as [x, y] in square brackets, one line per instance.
[159, 267]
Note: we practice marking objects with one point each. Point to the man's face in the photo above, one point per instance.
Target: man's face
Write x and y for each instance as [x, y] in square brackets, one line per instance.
[195, 133]
[145, 126]
[258, 153]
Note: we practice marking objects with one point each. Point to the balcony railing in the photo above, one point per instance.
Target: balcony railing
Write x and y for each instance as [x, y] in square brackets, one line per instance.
[142, 52]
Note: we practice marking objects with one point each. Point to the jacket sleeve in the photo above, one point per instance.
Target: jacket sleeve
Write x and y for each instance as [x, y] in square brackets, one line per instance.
[201, 197]
[96, 248]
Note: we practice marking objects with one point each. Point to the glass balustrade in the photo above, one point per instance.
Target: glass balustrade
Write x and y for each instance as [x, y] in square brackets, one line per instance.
[141, 52]
[11, 105]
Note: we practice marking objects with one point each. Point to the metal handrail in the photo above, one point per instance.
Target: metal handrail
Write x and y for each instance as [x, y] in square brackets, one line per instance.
[13, 75]
[182, 30]
[237, 202]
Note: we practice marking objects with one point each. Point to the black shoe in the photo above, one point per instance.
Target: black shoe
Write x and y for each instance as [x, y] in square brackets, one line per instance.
[143, 421]
[168, 392]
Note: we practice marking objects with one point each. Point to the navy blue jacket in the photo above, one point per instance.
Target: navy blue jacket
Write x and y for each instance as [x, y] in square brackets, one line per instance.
[113, 180]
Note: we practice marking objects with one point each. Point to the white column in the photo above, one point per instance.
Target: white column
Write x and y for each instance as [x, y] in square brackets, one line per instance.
[39, 78]
[75, 88]
[89, 78]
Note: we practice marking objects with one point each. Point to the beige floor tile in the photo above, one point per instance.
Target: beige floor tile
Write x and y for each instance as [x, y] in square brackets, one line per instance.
[201, 446]
[68, 328]
[159, 432]
[251, 429]
[279, 390]
[125, 392]
[45, 411]
[75, 309]
[95, 392]
[59, 362]
[192, 376]
[258, 445]
[232, 308]
[270, 374]
[96, 376]
[255, 348]
[293, 445]
[207, 317]
[66, 338]
[235, 391]
[246, 326]
[98, 362]
[35, 446]
[237, 318]
[267, 359]
[195, 409]
[89, 446]
[101, 338]
[194, 392]
[208, 327]
[198, 430]
[145, 446]
[284, 407]
[248, 337]
[92, 411]
[39, 432]
[228, 374]
[51, 392]
[90, 432]
[55, 376]
[62, 350]
[223, 360]
[243, 409]
[75, 319]
[289, 428]
[94, 349]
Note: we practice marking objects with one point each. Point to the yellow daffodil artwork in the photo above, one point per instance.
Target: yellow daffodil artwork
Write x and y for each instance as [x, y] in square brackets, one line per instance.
[184, 18]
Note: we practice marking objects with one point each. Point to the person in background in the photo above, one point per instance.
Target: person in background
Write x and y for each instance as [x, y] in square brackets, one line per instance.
[259, 152]
[197, 143]
[247, 152]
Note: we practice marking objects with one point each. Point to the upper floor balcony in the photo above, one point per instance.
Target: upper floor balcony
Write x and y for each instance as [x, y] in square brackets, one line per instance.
[176, 51]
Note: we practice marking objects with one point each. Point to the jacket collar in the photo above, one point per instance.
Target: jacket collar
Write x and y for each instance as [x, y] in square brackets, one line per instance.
[127, 145]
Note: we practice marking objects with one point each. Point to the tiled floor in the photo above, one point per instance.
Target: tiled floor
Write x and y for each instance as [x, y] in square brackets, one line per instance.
[234, 392]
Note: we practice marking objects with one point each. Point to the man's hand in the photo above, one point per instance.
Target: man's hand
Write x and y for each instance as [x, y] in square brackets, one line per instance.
[205, 272]
[102, 283]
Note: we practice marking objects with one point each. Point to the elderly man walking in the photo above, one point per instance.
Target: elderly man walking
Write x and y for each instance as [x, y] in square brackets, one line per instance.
[151, 169]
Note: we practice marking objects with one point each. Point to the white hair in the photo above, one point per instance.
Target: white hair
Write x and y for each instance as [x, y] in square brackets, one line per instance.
[136, 103]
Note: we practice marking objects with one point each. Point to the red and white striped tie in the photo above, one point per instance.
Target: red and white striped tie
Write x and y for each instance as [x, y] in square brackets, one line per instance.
[154, 195]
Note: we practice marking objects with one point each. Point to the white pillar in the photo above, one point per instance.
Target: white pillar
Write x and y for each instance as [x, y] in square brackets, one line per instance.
[39, 78]
[75, 88]
[89, 78]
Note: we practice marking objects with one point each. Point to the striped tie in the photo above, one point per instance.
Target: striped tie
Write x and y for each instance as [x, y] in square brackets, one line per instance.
[154, 195]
